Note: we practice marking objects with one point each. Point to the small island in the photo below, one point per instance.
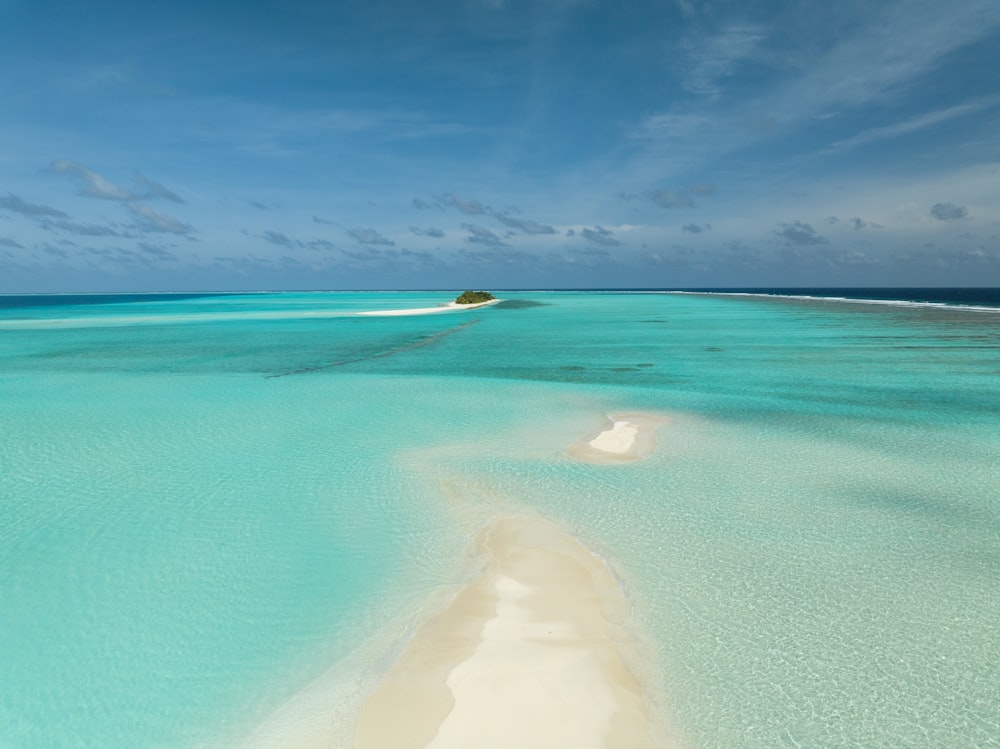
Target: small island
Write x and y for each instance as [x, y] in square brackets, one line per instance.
[474, 297]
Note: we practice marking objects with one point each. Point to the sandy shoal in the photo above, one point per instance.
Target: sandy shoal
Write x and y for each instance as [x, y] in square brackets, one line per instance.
[624, 438]
[450, 307]
[532, 654]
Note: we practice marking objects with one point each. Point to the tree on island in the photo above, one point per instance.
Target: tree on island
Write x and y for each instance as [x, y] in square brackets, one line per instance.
[474, 297]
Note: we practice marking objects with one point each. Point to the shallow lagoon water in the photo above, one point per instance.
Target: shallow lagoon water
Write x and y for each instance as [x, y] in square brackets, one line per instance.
[209, 502]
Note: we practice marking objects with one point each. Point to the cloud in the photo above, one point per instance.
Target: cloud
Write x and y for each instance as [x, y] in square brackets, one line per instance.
[526, 225]
[902, 42]
[702, 190]
[423, 205]
[320, 244]
[799, 234]
[600, 235]
[150, 219]
[695, 228]
[13, 203]
[948, 211]
[671, 198]
[889, 51]
[54, 251]
[282, 240]
[153, 189]
[92, 184]
[158, 251]
[469, 207]
[318, 220]
[713, 59]
[85, 230]
[920, 122]
[4, 242]
[855, 258]
[430, 232]
[482, 235]
[858, 224]
[369, 236]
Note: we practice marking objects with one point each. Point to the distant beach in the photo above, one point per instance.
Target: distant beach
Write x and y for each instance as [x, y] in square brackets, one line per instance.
[449, 307]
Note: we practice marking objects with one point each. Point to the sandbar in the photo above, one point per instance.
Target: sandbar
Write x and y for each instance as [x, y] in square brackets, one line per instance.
[532, 654]
[624, 438]
[450, 307]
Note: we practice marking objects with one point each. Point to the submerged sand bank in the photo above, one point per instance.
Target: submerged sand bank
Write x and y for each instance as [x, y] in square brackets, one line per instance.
[450, 307]
[531, 654]
[625, 437]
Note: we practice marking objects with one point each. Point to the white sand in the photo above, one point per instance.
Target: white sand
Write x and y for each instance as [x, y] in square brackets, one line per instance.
[619, 439]
[549, 692]
[450, 307]
[532, 654]
[627, 437]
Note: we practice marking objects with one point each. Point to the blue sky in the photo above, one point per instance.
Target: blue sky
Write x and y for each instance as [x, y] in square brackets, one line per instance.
[498, 143]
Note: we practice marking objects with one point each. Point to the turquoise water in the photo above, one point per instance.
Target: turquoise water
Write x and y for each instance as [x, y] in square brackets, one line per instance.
[208, 503]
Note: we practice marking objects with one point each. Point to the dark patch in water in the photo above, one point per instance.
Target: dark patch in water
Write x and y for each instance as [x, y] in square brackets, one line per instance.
[573, 368]
[645, 364]
[654, 320]
[624, 369]
[422, 341]
[713, 348]
[62, 300]
[518, 304]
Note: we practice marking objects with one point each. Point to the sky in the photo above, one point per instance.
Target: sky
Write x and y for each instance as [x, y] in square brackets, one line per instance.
[392, 144]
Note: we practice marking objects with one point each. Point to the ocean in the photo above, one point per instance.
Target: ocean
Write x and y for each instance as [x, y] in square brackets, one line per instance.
[211, 503]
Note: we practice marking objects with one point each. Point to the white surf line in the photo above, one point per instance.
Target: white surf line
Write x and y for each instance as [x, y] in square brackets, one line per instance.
[450, 307]
[844, 299]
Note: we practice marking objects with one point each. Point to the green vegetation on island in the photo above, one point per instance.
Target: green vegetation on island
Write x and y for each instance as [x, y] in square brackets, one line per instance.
[474, 297]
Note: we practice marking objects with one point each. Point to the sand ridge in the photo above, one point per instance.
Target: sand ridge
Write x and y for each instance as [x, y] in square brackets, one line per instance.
[625, 438]
[531, 654]
[450, 307]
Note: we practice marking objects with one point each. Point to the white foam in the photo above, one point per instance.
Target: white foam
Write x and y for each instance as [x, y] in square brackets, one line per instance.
[848, 300]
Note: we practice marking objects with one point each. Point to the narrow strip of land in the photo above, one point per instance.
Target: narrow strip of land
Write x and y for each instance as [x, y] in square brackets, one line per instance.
[450, 307]
[532, 654]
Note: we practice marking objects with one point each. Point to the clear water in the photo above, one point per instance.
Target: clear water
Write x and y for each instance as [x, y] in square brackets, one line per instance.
[207, 502]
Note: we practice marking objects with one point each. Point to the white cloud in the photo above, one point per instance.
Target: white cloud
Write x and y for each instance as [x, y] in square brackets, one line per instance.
[713, 59]
[671, 198]
[470, 207]
[891, 51]
[14, 203]
[92, 184]
[482, 235]
[600, 235]
[526, 225]
[906, 40]
[920, 122]
[799, 234]
[150, 219]
[369, 236]
[153, 189]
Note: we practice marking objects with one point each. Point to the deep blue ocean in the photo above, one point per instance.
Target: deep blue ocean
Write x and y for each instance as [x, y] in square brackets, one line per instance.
[214, 504]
